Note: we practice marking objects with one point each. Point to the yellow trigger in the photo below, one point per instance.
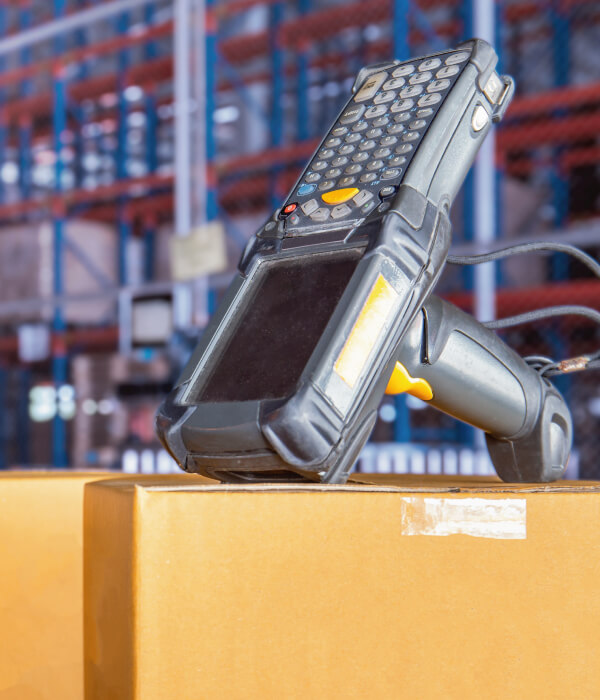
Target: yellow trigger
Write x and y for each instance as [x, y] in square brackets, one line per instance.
[401, 382]
[339, 196]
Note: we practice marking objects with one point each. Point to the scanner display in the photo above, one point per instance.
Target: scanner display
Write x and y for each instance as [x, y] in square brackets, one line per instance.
[278, 329]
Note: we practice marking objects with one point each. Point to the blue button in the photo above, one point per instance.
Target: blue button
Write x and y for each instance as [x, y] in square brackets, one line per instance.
[306, 189]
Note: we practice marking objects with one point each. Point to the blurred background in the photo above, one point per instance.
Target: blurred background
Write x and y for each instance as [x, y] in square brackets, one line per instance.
[142, 143]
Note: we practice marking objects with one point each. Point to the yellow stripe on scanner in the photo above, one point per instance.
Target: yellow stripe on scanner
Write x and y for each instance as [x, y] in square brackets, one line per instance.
[401, 382]
[366, 331]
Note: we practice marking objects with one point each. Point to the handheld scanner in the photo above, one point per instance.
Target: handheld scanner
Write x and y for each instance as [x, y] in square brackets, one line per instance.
[286, 379]
[458, 366]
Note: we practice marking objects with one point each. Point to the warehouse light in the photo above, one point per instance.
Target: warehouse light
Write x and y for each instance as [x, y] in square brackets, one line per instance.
[372, 32]
[136, 119]
[594, 406]
[89, 407]
[226, 115]
[105, 407]
[129, 462]
[133, 93]
[9, 173]
[66, 393]
[387, 413]
[42, 403]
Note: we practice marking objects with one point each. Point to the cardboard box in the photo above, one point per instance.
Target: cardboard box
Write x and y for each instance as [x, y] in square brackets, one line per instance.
[41, 583]
[416, 587]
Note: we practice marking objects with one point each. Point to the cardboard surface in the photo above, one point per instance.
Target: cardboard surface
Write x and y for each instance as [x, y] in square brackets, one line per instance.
[41, 586]
[405, 588]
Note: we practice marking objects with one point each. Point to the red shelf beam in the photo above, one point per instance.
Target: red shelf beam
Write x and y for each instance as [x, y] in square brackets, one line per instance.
[516, 301]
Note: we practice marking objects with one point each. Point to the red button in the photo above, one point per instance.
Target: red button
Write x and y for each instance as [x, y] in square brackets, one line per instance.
[290, 208]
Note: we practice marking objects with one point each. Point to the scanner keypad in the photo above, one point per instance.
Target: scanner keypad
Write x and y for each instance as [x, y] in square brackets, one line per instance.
[367, 152]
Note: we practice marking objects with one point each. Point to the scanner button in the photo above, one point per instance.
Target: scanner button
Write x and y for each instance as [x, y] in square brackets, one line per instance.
[289, 208]
[438, 85]
[362, 197]
[384, 97]
[381, 121]
[375, 165]
[340, 211]
[480, 118]
[303, 190]
[375, 111]
[494, 88]
[352, 114]
[429, 100]
[339, 160]
[294, 219]
[401, 382]
[326, 185]
[310, 206]
[367, 145]
[419, 78]
[339, 196]
[370, 86]
[411, 91]
[320, 214]
[395, 129]
[411, 136]
[403, 70]
[353, 138]
[459, 57]
[312, 177]
[339, 131]
[401, 105]
[361, 126]
[387, 191]
[381, 153]
[430, 64]
[394, 84]
[447, 72]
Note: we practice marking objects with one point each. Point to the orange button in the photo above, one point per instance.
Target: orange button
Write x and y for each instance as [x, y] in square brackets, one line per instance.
[339, 196]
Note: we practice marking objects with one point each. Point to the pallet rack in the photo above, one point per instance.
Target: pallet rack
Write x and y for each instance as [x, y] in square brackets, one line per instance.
[281, 55]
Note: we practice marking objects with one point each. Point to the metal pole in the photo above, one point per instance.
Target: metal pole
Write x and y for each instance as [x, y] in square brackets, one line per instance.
[59, 351]
[67, 23]
[182, 298]
[484, 185]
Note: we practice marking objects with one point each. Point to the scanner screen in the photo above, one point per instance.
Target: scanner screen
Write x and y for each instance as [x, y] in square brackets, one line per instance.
[278, 329]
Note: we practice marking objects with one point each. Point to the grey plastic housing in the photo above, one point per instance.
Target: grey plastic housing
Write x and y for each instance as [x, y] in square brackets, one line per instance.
[318, 430]
[478, 379]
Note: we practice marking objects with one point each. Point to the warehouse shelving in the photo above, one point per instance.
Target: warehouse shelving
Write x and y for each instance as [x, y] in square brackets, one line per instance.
[281, 56]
